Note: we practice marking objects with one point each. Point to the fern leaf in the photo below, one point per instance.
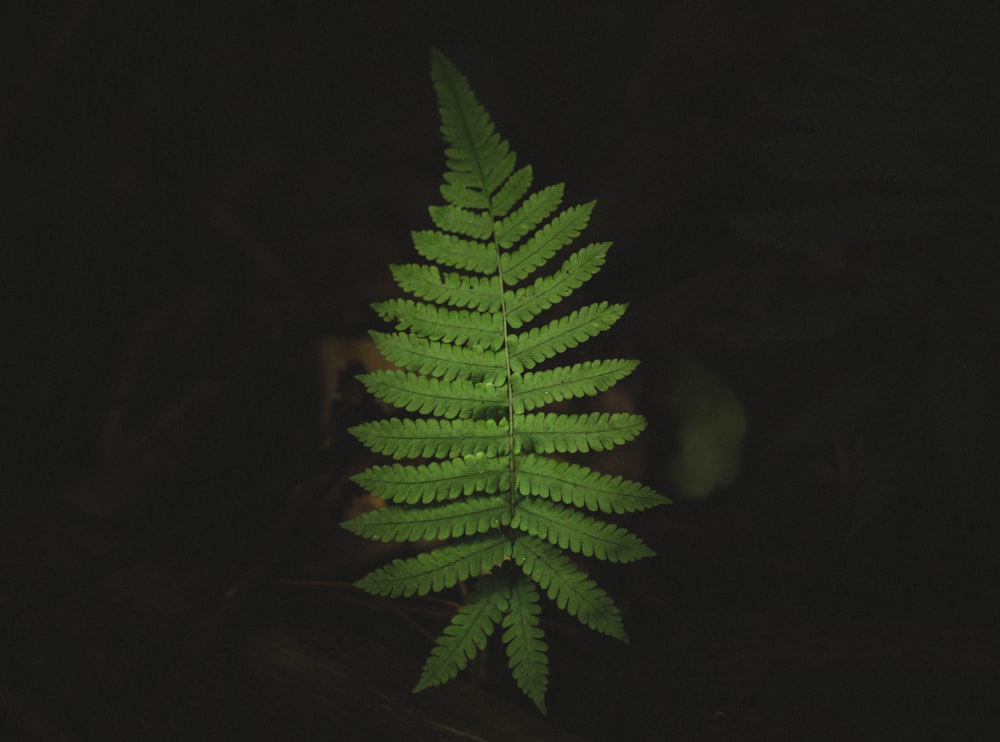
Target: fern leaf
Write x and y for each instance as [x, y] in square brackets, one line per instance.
[573, 484]
[480, 329]
[436, 480]
[435, 358]
[499, 513]
[486, 164]
[538, 388]
[468, 198]
[541, 343]
[438, 569]
[462, 518]
[455, 289]
[570, 588]
[403, 438]
[525, 640]
[467, 633]
[509, 193]
[427, 395]
[526, 303]
[597, 431]
[477, 158]
[539, 249]
[535, 209]
[573, 530]
[474, 224]
[454, 252]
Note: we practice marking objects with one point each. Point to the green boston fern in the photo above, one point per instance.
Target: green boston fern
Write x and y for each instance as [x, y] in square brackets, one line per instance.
[500, 510]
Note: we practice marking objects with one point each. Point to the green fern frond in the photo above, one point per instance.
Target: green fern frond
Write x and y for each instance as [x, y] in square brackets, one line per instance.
[462, 518]
[508, 194]
[535, 209]
[465, 348]
[468, 631]
[441, 323]
[525, 304]
[438, 569]
[570, 529]
[454, 252]
[545, 243]
[476, 225]
[538, 388]
[434, 358]
[427, 395]
[481, 293]
[567, 586]
[573, 484]
[525, 640]
[403, 438]
[437, 480]
[542, 343]
[598, 431]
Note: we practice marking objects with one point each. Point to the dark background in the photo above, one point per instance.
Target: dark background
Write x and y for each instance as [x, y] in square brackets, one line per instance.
[200, 202]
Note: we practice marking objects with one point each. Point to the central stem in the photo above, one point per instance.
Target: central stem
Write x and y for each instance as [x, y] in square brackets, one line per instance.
[512, 471]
